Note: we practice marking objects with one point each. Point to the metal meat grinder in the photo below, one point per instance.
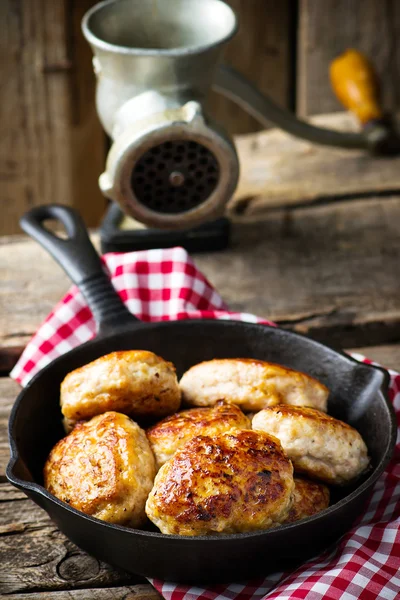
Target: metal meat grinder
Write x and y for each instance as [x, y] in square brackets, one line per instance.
[170, 166]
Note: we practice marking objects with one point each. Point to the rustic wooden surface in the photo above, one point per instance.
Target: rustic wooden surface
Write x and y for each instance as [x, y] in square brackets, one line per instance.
[327, 29]
[134, 592]
[278, 169]
[8, 392]
[36, 557]
[23, 276]
[328, 271]
[260, 50]
[52, 147]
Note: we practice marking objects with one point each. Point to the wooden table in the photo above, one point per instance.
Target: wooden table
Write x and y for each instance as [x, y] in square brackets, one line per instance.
[324, 261]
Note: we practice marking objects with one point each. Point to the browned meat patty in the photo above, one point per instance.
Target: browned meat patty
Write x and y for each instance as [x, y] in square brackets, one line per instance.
[226, 483]
[167, 436]
[309, 498]
[320, 446]
[105, 468]
[133, 382]
[251, 384]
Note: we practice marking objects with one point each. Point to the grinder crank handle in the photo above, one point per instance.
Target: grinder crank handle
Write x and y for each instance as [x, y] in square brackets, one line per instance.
[78, 258]
[356, 85]
[379, 139]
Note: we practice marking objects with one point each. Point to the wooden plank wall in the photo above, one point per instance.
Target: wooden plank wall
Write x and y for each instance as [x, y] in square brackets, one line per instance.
[262, 51]
[52, 147]
[327, 28]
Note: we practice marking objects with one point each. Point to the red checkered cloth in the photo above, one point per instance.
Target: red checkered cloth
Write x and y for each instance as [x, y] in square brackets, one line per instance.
[163, 285]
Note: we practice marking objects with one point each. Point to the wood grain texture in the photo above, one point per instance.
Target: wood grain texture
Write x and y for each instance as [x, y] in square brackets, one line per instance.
[36, 557]
[260, 51]
[279, 170]
[8, 393]
[328, 271]
[25, 280]
[52, 147]
[34, 285]
[327, 29]
[134, 592]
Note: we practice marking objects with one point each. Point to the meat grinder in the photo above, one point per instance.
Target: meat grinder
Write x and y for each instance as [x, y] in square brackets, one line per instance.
[171, 167]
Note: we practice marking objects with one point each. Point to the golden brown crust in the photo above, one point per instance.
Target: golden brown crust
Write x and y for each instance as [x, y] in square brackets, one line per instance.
[231, 482]
[309, 498]
[319, 445]
[252, 384]
[137, 383]
[167, 436]
[104, 468]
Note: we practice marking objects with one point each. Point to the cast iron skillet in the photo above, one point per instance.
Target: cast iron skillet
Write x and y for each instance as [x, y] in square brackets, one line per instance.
[358, 396]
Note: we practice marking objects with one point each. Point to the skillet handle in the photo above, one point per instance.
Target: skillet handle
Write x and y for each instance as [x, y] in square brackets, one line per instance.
[78, 258]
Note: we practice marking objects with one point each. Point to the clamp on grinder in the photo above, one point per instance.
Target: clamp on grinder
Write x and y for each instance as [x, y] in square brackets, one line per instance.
[171, 168]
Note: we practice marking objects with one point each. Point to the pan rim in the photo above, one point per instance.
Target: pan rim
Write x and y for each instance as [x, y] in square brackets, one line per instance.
[366, 486]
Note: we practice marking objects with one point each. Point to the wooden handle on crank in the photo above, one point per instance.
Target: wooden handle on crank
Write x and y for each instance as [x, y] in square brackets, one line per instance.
[356, 86]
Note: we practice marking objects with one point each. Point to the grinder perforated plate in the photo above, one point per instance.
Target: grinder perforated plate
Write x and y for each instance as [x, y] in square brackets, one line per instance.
[175, 176]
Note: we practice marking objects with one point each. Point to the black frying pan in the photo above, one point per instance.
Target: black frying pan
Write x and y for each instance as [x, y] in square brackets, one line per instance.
[358, 396]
